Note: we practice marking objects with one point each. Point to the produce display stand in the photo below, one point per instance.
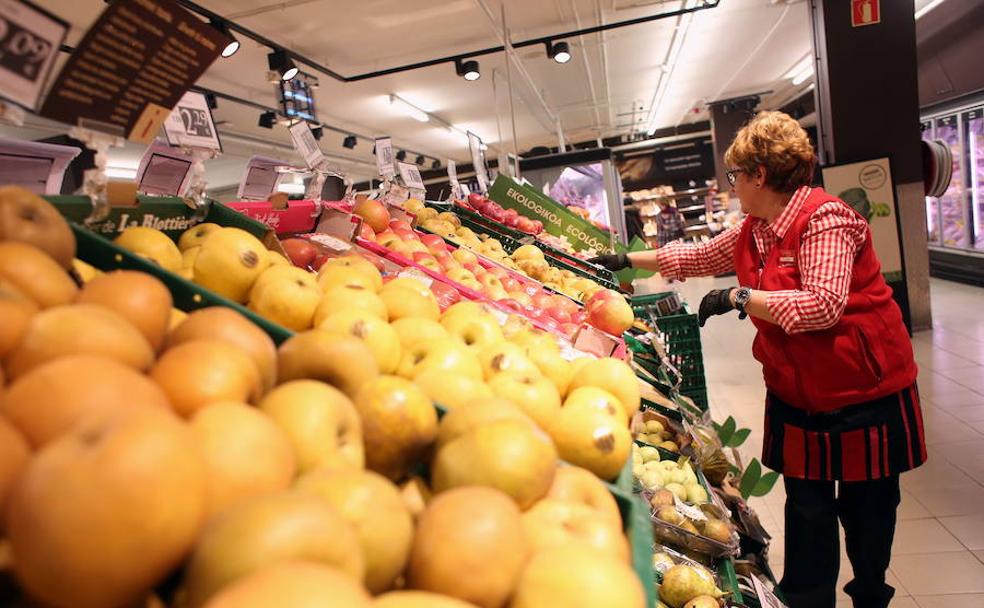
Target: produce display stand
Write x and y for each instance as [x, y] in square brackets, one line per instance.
[105, 255]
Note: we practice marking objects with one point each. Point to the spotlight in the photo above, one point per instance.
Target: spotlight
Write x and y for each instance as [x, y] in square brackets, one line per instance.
[467, 69]
[233, 45]
[317, 132]
[420, 159]
[558, 51]
[401, 155]
[350, 142]
[268, 119]
[436, 164]
[211, 101]
[283, 65]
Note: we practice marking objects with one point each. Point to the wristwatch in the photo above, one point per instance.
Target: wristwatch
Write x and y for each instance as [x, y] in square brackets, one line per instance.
[742, 296]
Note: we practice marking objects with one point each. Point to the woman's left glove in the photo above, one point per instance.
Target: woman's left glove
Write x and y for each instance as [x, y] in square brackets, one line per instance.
[716, 302]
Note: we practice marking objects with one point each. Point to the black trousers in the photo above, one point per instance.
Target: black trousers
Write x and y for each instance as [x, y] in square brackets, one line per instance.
[866, 509]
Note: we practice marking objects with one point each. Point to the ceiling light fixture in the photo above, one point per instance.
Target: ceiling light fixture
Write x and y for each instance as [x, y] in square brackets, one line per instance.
[800, 66]
[467, 69]
[317, 132]
[211, 101]
[922, 12]
[558, 51]
[282, 64]
[803, 75]
[408, 109]
[436, 164]
[233, 45]
[401, 155]
[267, 120]
[350, 141]
[420, 159]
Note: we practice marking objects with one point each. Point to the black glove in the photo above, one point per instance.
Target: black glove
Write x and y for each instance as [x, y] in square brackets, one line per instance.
[716, 302]
[613, 262]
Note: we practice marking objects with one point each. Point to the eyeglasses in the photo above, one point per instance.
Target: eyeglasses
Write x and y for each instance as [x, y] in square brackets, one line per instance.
[733, 175]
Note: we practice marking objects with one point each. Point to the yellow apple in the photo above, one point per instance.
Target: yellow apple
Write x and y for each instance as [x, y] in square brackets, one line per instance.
[289, 301]
[477, 331]
[601, 581]
[151, 244]
[350, 297]
[505, 357]
[508, 455]
[376, 333]
[342, 275]
[477, 413]
[533, 339]
[581, 486]
[451, 390]
[196, 235]
[554, 523]
[553, 366]
[459, 275]
[594, 398]
[229, 262]
[613, 375]
[320, 421]
[448, 355]
[591, 439]
[278, 271]
[376, 509]
[399, 425]
[535, 395]
[411, 331]
[411, 283]
[527, 252]
[463, 256]
[407, 303]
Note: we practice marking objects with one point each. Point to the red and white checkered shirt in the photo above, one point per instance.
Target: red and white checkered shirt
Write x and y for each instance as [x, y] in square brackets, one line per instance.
[827, 250]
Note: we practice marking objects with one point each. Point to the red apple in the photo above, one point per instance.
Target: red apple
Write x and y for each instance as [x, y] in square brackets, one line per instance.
[398, 225]
[445, 294]
[510, 284]
[300, 251]
[569, 329]
[524, 224]
[475, 199]
[566, 303]
[561, 315]
[319, 261]
[609, 312]
[542, 300]
[513, 305]
[373, 212]
[537, 226]
[434, 242]
[366, 232]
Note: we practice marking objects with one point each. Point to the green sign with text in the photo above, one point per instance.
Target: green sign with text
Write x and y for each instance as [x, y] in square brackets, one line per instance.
[557, 220]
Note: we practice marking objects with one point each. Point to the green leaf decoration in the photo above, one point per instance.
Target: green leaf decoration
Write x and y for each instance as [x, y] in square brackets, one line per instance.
[734, 470]
[738, 438]
[751, 476]
[726, 430]
[765, 484]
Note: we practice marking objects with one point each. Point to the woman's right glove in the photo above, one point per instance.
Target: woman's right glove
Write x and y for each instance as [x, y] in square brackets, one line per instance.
[613, 262]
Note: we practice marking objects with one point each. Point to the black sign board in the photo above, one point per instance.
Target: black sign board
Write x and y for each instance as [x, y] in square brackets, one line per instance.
[132, 67]
[668, 164]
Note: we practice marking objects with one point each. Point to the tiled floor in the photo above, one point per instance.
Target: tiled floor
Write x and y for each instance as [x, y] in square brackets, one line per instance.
[938, 556]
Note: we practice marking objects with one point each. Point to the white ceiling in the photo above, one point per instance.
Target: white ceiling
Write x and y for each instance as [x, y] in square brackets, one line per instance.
[739, 47]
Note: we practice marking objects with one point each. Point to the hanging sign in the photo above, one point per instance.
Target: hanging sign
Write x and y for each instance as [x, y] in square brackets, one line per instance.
[384, 157]
[30, 38]
[305, 144]
[411, 176]
[557, 220]
[865, 12]
[132, 67]
[478, 162]
[190, 123]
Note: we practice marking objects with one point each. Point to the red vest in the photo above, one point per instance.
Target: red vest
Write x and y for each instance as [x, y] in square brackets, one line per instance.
[866, 355]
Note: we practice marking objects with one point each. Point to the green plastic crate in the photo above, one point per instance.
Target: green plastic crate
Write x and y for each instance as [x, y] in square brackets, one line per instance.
[729, 580]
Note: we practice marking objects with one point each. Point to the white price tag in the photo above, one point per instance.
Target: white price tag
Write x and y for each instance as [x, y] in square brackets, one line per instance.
[767, 599]
[478, 161]
[411, 176]
[305, 144]
[190, 123]
[688, 511]
[30, 38]
[384, 157]
[331, 242]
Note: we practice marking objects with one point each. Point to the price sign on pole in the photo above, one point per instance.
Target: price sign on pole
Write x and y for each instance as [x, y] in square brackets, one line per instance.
[384, 157]
[453, 177]
[190, 124]
[30, 38]
[478, 161]
[411, 176]
[305, 144]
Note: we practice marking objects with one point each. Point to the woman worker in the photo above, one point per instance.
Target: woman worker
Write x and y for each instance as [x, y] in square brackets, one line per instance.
[842, 415]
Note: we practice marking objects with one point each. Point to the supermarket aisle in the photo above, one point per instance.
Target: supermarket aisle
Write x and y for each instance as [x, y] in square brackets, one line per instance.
[938, 557]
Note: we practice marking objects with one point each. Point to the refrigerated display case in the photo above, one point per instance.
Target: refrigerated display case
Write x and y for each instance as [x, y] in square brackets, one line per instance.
[953, 220]
[973, 131]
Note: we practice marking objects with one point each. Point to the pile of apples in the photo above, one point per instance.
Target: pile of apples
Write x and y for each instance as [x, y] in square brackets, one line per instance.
[495, 212]
[191, 449]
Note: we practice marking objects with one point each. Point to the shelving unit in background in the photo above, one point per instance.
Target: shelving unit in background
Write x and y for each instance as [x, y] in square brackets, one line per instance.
[695, 204]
